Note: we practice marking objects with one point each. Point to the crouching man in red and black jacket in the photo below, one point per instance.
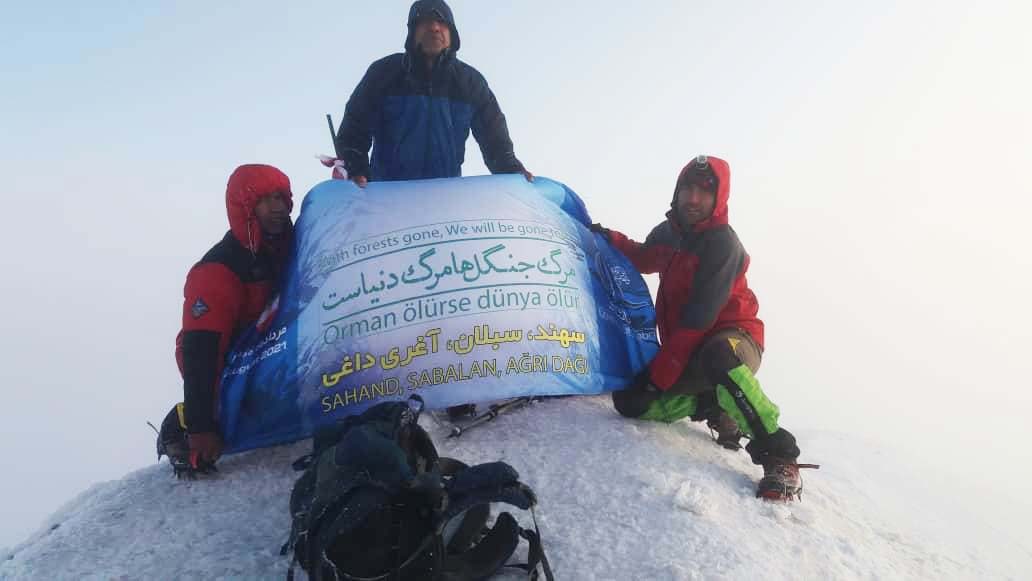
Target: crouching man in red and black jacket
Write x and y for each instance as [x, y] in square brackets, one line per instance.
[224, 294]
[711, 339]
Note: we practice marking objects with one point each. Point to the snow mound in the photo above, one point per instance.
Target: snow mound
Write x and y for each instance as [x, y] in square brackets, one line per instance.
[619, 499]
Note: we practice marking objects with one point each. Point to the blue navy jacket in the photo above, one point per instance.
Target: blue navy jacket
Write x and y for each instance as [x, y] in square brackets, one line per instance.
[417, 122]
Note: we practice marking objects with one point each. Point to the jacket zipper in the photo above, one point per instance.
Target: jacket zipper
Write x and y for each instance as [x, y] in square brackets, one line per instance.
[429, 118]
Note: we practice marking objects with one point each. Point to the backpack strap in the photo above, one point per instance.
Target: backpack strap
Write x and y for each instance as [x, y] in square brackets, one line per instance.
[470, 492]
[536, 556]
[470, 528]
[486, 556]
[463, 530]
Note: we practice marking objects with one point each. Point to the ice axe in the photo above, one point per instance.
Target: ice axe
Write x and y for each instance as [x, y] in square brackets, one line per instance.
[492, 412]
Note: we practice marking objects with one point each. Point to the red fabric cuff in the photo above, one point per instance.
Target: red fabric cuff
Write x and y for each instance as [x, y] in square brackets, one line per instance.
[619, 240]
[673, 357]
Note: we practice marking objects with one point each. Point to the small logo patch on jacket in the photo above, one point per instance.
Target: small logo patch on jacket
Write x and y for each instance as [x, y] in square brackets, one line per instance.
[199, 308]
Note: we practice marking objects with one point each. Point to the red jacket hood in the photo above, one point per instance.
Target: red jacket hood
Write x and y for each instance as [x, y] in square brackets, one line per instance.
[719, 217]
[246, 186]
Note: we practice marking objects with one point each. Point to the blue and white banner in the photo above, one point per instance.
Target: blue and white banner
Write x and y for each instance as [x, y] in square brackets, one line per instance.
[459, 290]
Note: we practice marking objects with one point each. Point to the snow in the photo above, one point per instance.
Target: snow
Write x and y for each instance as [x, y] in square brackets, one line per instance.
[619, 499]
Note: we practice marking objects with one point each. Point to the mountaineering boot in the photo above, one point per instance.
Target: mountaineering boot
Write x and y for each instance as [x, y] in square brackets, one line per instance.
[172, 440]
[726, 430]
[174, 443]
[781, 480]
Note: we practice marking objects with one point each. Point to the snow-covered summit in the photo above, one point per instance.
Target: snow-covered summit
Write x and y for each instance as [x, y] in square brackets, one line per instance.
[619, 499]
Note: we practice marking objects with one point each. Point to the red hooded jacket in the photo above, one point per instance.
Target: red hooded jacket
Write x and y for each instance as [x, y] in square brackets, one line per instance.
[702, 285]
[227, 290]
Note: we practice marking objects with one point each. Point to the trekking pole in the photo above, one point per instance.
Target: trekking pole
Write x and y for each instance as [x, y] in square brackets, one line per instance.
[491, 414]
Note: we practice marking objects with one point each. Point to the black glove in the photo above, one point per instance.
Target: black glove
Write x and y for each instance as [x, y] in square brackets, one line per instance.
[356, 163]
[599, 228]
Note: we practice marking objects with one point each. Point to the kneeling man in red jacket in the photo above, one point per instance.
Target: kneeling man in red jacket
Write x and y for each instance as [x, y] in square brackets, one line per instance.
[711, 339]
[224, 294]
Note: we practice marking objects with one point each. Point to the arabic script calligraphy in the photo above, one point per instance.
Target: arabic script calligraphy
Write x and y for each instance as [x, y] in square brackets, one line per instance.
[470, 269]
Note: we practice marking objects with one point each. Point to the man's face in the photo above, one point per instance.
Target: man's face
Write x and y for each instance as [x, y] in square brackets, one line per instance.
[272, 214]
[694, 204]
[432, 36]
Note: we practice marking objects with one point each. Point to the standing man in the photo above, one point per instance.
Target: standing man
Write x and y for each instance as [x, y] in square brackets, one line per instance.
[711, 339]
[416, 109]
[224, 294]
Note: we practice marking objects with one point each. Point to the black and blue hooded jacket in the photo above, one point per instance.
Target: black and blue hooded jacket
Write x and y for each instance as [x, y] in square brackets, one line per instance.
[417, 121]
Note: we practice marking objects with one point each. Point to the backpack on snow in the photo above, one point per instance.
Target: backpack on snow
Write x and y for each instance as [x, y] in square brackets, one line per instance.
[376, 502]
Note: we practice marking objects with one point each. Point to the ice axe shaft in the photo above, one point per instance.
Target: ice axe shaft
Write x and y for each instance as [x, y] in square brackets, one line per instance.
[492, 413]
[333, 135]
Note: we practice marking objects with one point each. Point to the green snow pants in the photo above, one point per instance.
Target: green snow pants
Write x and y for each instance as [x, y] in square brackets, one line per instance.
[719, 377]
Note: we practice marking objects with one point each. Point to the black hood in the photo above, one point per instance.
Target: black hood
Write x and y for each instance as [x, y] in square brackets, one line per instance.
[423, 7]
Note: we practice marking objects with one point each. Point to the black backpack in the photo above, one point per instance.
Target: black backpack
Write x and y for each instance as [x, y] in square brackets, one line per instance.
[376, 502]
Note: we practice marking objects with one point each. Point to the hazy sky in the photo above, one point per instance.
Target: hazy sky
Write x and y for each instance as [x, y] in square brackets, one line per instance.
[879, 156]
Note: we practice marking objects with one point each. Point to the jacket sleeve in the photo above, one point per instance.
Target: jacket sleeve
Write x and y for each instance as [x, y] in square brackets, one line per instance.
[490, 130]
[212, 304]
[719, 264]
[355, 136]
[648, 258]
